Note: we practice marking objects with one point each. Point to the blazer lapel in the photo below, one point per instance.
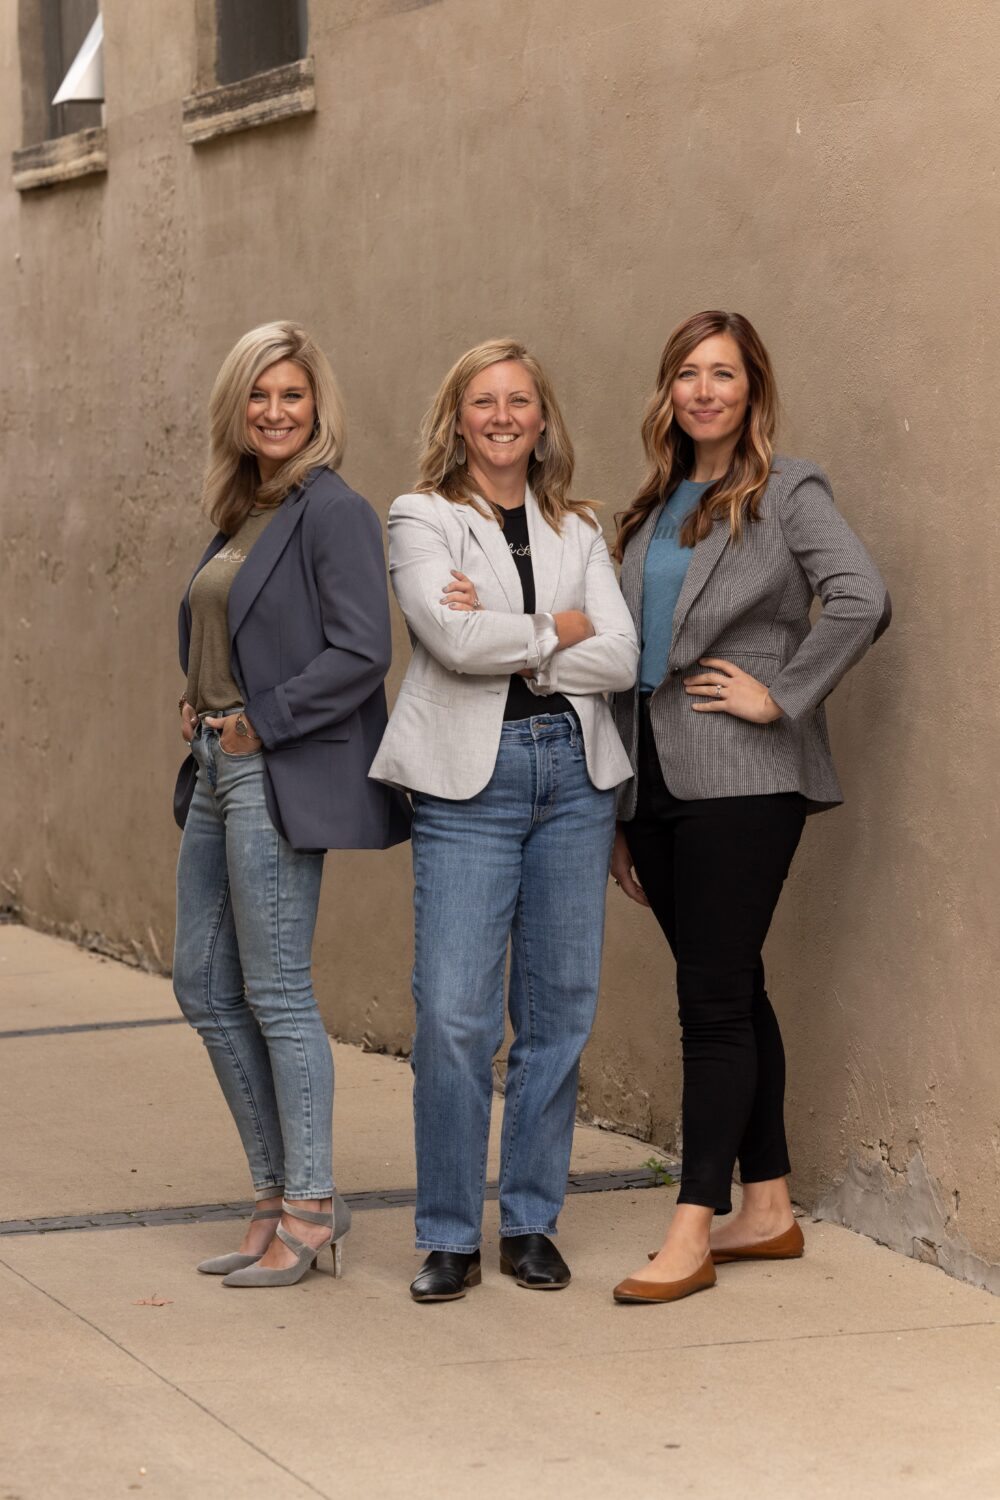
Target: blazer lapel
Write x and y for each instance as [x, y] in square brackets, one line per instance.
[494, 545]
[546, 555]
[263, 555]
[706, 555]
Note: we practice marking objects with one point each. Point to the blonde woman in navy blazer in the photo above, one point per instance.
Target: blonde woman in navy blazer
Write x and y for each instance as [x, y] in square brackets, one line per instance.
[284, 641]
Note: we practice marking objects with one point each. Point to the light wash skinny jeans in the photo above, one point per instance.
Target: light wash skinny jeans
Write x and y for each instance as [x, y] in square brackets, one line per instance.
[246, 913]
[526, 860]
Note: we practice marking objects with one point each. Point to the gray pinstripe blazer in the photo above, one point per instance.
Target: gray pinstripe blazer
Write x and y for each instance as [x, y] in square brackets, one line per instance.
[748, 602]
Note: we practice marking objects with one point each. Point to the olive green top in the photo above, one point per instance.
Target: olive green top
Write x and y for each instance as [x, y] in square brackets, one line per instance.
[210, 682]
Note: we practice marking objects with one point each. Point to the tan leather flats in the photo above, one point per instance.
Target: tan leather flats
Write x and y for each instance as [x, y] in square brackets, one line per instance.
[788, 1245]
[631, 1290]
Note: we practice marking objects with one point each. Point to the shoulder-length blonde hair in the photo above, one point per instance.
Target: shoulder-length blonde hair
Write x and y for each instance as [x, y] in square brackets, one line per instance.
[735, 497]
[232, 484]
[549, 476]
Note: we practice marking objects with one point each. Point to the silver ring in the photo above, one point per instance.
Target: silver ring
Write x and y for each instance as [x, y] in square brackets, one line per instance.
[718, 689]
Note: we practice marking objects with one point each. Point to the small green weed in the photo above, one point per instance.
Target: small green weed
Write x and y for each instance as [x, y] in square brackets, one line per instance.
[658, 1168]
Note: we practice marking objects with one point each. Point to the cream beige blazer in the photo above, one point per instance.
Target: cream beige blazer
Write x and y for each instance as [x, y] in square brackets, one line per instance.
[444, 731]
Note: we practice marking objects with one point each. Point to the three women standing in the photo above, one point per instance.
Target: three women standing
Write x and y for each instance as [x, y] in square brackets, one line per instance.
[722, 553]
[284, 640]
[502, 734]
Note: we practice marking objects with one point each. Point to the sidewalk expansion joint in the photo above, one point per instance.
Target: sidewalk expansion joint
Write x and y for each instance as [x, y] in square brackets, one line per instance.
[171, 1385]
[203, 1213]
[6, 1036]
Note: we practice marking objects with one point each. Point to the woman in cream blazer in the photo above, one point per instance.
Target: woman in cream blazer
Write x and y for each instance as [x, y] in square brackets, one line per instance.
[503, 737]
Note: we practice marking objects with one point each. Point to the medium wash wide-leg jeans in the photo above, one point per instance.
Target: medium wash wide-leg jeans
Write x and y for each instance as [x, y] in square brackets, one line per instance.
[524, 861]
[246, 913]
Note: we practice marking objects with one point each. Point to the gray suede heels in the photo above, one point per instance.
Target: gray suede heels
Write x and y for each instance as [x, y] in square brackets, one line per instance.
[221, 1265]
[338, 1222]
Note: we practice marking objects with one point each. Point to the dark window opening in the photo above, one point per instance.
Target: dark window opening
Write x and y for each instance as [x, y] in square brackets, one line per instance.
[65, 24]
[257, 35]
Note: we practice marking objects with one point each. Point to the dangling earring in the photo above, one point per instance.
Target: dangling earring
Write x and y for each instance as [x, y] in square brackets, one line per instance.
[460, 454]
[539, 449]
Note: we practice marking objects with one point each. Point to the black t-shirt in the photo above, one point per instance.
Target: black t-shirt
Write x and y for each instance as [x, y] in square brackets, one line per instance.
[522, 703]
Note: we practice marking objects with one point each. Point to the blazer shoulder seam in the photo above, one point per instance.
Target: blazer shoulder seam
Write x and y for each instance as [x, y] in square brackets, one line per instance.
[790, 472]
[328, 488]
[414, 499]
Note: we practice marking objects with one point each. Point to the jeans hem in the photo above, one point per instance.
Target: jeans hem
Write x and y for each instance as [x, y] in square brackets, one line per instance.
[451, 1249]
[506, 1233]
[268, 1190]
[326, 1192]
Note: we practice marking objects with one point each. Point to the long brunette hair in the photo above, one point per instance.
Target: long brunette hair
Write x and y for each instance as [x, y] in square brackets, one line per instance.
[548, 476]
[232, 483]
[670, 451]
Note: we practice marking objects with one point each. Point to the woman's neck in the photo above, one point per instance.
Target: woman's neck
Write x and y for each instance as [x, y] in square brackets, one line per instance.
[711, 460]
[505, 489]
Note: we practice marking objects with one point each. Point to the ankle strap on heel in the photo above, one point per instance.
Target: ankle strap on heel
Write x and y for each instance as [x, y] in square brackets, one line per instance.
[265, 1213]
[308, 1214]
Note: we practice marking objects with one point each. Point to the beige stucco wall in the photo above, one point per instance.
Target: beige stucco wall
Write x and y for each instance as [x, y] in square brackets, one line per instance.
[582, 175]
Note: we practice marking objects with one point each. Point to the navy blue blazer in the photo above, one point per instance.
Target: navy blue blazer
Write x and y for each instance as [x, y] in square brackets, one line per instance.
[309, 625]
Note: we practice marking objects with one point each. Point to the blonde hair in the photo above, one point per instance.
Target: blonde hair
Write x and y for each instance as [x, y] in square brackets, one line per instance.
[232, 484]
[549, 477]
[670, 451]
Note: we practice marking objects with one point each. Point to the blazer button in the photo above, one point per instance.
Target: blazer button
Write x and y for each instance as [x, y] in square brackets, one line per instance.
[675, 671]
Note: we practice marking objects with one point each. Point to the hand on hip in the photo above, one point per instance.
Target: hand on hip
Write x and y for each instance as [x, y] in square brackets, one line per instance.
[725, 688]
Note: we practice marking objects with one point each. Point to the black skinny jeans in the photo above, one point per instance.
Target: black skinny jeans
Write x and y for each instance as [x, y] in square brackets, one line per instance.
[712, 871]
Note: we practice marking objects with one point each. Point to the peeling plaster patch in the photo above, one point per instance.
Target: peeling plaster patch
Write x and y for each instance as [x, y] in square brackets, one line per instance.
[905, 1211]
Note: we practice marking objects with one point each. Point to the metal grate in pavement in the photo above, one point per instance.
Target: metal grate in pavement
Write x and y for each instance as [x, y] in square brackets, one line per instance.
[202, 1213]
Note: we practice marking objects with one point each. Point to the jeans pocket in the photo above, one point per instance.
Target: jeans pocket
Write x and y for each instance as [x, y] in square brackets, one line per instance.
[240, 754]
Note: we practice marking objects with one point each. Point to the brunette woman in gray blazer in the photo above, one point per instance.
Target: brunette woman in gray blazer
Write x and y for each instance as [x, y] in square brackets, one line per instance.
[723, 551]
[284, 641]
[502, 734]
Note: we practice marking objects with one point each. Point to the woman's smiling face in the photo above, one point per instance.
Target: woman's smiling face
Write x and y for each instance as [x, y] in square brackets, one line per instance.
[711, 390]
[280, 415]
[500, 418]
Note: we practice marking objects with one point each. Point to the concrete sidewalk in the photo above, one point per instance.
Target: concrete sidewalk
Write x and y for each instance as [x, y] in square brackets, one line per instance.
[853, 1371]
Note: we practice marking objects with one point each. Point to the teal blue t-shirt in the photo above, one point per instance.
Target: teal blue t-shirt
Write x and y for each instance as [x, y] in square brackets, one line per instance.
[662, 580]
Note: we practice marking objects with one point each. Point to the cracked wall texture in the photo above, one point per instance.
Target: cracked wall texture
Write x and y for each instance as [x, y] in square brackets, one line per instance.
[583, 177]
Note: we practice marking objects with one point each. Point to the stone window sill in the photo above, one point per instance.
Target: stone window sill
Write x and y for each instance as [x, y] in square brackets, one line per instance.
[278, 94]
[62, 159]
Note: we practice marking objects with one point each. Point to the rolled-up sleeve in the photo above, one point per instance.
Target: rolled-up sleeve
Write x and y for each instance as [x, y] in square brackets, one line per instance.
[608, 660]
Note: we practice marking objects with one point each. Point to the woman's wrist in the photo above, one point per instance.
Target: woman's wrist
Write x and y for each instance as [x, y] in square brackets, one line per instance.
[572, 627]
